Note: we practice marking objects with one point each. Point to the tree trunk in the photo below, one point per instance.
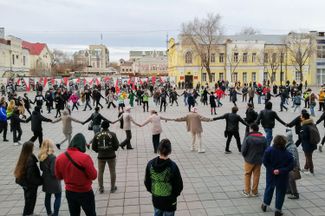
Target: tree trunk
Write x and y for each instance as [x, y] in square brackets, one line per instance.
[209, 73]
[301, 74]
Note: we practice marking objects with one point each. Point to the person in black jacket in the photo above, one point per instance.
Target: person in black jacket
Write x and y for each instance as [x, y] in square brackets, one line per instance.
[27, 103]
[105, 143]
[297, 123]
[49, 100]
[28, 176]
[163, 180]
[283, 95]
[36, 125]
[321, 118]
[15, 126]
[59, 104]
[232, 127]
[267, 118]
[39, 99]
[87, 94]
[96, 119]
[97, 96]
[251, 116]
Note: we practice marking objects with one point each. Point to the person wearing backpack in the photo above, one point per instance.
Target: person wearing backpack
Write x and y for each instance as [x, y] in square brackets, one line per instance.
[309, 140]
[321, 118]
[105, 143]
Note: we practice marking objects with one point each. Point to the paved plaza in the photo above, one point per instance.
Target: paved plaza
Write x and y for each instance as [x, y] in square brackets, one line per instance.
[213, 181]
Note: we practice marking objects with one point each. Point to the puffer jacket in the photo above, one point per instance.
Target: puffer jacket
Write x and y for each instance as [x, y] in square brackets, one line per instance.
[253, 148]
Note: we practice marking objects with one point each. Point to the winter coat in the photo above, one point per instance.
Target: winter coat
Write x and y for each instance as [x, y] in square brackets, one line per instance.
[321, 118]
[232, 121]
[37, 120]
[251, 116]
[15, 121]
[267, 118]
[32, 177]
[50, 183]
[253, 148]
[193, 122]
[74, 98]
[3, 114]
[156, 124]
[279, 159]
[97, 118]
[66, 122]
[164, 181]
[105, 143]
[305, 136]
[292, 148]
[297, 123]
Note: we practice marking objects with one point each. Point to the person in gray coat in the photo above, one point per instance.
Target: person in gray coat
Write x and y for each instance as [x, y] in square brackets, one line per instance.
[292, 148]
[253, 148]
[51, 185]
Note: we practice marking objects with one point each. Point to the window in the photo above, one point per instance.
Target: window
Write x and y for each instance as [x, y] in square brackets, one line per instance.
[266, 58]
[130, 70]
[213, 58]
[204, 77]
[245, 55]
[273, 78]
[254, 57]
[13, 59]
[188, 57]
[234, 77]
[221, 57]
[220, 76]
[254, 76]
[24, 60]
[245, 77]
[123, 69]
[298, 76]
[320, 76]
[265, 76]
[213, 77]
[273, 57]
[320, 51]
[282, 57]
[205, 57]
[127, 70]
[236, 57]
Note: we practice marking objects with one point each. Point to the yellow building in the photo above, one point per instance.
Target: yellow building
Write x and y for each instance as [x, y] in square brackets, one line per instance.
[243, 58]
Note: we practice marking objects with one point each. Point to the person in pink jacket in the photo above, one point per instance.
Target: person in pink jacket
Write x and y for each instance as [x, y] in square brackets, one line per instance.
[74, 99]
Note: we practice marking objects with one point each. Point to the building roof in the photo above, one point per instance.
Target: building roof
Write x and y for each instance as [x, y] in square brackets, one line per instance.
[269, 39]
[34, 48]
[4, 41]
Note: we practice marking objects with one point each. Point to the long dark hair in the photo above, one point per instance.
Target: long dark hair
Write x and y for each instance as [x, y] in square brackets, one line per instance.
[26, 152]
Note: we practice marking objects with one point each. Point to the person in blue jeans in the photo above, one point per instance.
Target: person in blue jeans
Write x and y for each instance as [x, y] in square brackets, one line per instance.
[278, 163]
[267, 118]
[164, 181]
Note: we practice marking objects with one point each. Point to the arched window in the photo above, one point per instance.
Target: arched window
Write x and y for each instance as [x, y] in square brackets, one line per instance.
[188, 57]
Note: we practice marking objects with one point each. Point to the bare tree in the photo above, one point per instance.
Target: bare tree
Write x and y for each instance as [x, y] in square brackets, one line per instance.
[273, 58]
[63, 63]
[203, 35]
[300, 48]
[248, 31]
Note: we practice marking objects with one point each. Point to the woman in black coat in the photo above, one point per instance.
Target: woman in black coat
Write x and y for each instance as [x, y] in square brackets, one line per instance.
[28, 176]
[59, 104]
[51, 185]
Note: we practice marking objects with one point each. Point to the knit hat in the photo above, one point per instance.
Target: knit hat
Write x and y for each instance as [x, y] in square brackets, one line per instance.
[79, 142]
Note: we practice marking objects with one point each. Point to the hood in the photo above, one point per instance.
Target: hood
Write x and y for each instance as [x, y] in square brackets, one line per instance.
[307, 122]
[289, 137]
[159, 165]
[79, 142]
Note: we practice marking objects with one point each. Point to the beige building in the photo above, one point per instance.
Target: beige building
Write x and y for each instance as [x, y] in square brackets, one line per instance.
[126, 67]
[95, 59]
[149, 63]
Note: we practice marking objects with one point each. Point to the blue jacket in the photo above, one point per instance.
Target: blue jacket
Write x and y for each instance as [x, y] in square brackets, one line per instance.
[279, 159]
[3, 114]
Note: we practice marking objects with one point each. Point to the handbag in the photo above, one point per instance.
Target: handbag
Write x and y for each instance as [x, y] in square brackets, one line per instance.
[74, 163]
[296, 174]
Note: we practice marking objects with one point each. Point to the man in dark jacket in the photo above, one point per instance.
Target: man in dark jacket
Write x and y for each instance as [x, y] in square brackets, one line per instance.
[232, 127]
[97, 96]
[87, 95]
[163, 180]
[267, 119]
[36, 125]
[283, 95]
[105, 144]
[252, 150]
[321, 118]
[251, 116]
[297, 123]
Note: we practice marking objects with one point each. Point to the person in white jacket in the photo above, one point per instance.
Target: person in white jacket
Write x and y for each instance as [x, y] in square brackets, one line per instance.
[156, 129]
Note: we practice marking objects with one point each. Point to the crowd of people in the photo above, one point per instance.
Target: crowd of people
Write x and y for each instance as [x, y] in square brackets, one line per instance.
[162, 176]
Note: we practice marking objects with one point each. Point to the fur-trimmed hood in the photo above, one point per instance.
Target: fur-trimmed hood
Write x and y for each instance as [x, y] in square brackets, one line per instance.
[307, 122]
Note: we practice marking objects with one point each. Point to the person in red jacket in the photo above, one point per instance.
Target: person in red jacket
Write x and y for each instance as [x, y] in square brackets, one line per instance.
[78, 171]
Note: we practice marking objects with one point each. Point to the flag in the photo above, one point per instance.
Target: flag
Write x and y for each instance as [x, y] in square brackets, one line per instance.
[153, 80]
[44, 82]
[117, 89]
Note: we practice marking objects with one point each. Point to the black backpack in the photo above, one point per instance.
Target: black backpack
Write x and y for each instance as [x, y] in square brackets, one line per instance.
[314, 136]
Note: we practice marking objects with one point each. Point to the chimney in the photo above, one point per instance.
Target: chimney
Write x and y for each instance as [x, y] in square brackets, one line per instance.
[2, 32]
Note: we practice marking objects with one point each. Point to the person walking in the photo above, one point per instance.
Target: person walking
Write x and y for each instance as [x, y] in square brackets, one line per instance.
[267, 118]
[190, 101]
[96, 119]
[15, 126]
[66, 127]
[36, 125]
[307, 136]
[27, 103]
[156, 129]
[213, 104]
[312, 103]
[59, 104]
[28, 176]
[253, 148]
[244, 92]
[145, 101]
[126, 118]
[194, 125]
[105, 143]
[232, 127]
[283, 95]
[164, 181]
[321, 118]
[74, 99]
[251, 94]
[87, 95]
[295, 173]
[278, 163]
[3, 120]
[110, 99]
[163, 99]
[51, 185]
[78, 172]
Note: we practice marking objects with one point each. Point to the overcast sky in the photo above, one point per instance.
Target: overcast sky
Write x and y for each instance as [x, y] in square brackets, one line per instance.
[143, 24]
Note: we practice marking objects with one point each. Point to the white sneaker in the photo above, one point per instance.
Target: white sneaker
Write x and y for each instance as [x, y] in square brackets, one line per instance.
[320, 148]
[20, 143]
[16, 144]
[201, 151]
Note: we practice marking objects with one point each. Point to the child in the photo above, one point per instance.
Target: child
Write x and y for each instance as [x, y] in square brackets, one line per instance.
[213, 104]
[51, 185]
